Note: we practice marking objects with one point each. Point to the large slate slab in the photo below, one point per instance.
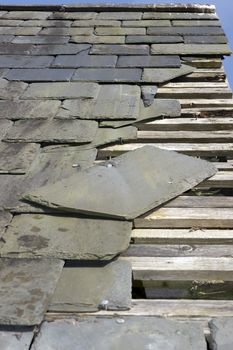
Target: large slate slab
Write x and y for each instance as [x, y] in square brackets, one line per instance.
[52, 131]
[221, 333]
[16, 339]
[92, 287]
[125, 333]
[35, 236]
[61, 90]
[113, 102]
[28, 109]
[149, 61]
[16, 158]
[26, 288]
[190, 49]
[161, 75]
[11, 89]
[18, 61]
[128, 186]
[40, 74]
[120, 50]
[108, 74]
[84, 60]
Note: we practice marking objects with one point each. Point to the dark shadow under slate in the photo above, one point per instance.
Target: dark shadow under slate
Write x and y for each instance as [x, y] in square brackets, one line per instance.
[127, 186]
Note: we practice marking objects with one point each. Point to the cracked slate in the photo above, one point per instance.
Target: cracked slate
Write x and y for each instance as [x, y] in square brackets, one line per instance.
[28, 109]
[162, 175]
[16, 339]
[148, 94]
[84, 60]
[120, 50]
[91, 285]
[108, 74]
[221, 333]
[26, 288]
[113, 102]
[61, 90]
[121, 332]
[62, 237]
[149, 61]
[11, 89]
[45, 74]
[52, 131]
[161, 75]
[18, 61]
[16, 158]
[160, 108]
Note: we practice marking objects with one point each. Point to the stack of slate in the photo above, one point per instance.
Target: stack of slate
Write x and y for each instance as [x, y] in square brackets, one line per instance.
[72, 82]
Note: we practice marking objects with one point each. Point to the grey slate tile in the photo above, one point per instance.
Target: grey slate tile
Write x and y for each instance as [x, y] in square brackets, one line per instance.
[73, 15]
[10, 22]
[19, 30]
[43, 74]
[149, 61]
[27, 15]
[161, 75]
[56, 49]
[206, 39]
[15, 49]
[67, 31]
[119, 15]
[15, 339]
[5, 127]
[26, 288]
[41, 39]
[147, 23]
[108, 74]
[27, 109]
[11, 89]
[3, 72]
[84, 60]
[6, 38]
[62, 237]
[179, 15]
[18, 61]
[17, 158]
[221, 333]
[115, 184]
[5, 219]
[52, 131]
[125, 333]
[96, 23]
[61, 90]
[185, 31]
[119, 31]
[196, 23]
[46, 23]
[150, 39]
[101, 39]
[148, 93]
[91, 286]
[119, 50]
[190, 49]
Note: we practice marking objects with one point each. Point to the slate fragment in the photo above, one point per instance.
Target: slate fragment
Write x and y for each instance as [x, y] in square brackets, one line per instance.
[62, 237]
[52, 131]
[26, 287]
[125, 333]
[92, 287]
[16, 339]
[148, 94]
[221, 333]
[127, 186]
[162, 75]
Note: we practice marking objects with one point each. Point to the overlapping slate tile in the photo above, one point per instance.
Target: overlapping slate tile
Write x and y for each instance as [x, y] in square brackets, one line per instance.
[152, 39]
[190, 49]
[221, 333]
[120, 31]
[96, 23]
[19, 30]
[84, 60]
[15, 49]
[178, 15]
[113, 102]
[120, 50]
[26, 288]
[119, 15]
[27, 15]
[92, 287]
[162, 175]
[149, 61]
[34, 236]
[5, 127]
[15, 338]
[6, 38]
[196, 23]
[5, 219]
[40, 74]
[185, 31]
[101, 39]
[108, 74]
[10, 22]
[61, 91]
[66, 31]
[17, 61]
[126, 333]
[206, 39]
[40, 39]
[147, 23]
[27, 109]
[11, 90]
[58, 49]
[16, 158]
[46, 23]
[52, 131]
[161, 75]
[73, 15]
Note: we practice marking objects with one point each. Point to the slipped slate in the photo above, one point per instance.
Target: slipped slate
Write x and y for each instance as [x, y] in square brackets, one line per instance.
[127, 186]
[52, 131]
[161, 75]
[91, 286]
[16, 158]
[26, 287]
[221, 333]
[149, 61]
[125, 333]
[62, 237]
[127, 75]
[16, 339]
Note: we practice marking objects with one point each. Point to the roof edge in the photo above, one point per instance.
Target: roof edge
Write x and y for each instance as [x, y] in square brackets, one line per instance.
[199, 8]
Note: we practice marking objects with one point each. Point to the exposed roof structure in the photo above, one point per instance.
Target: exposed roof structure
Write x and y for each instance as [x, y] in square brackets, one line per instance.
[98, 214]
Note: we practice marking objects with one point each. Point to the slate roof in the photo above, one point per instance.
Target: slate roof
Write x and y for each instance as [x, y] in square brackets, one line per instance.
[78, 86]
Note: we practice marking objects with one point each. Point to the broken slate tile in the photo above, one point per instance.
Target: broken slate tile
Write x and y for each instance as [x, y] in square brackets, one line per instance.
[121, 332]
[43, 74]
[119, 50]
[61, 90]
[84, 60]
[28, 109]
[148, 94]
[18, 61]
[26, 288]
[149, 61]
[190, 49]
[16, 158]
[56, 49]
[161, 75]
[35, 236]
[15, 338]
[108, 74]
[41, 39]
[162, 175]
[221, 333]
[52, 131]
[92, 287]
[11, 89]
[144, 39]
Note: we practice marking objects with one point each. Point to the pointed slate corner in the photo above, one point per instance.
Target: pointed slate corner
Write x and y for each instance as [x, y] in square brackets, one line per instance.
[162, 75]
[127, 186]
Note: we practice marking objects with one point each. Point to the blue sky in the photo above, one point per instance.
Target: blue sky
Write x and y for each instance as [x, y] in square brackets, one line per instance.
[224, 10]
